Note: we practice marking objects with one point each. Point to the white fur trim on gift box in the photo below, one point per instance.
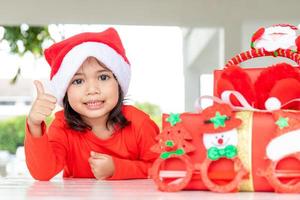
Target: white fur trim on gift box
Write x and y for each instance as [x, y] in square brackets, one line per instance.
[284, 145]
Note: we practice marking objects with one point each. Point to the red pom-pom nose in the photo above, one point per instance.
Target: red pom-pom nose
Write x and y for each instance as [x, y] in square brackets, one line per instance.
[220, 141]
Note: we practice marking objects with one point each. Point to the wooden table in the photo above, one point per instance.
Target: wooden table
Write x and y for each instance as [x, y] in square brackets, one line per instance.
[85, 189]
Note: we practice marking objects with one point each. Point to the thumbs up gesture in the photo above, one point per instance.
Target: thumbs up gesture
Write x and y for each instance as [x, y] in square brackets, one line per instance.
[41, 108]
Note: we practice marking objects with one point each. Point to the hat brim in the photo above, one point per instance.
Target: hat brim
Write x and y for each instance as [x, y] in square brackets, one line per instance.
[78, 54]
[210, 128]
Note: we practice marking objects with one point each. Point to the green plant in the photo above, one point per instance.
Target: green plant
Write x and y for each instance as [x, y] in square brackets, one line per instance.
[12, 132]
[152, 110]
[30, 38]
[24, 38]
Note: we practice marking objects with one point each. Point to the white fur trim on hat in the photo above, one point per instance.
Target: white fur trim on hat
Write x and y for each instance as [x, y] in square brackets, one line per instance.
[284, 145]
[77, 55]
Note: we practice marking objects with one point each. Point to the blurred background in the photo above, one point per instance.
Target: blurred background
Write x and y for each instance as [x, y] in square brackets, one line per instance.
[173, 47]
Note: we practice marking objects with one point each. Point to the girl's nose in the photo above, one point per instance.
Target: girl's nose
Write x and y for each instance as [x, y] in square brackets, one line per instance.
[92, 88]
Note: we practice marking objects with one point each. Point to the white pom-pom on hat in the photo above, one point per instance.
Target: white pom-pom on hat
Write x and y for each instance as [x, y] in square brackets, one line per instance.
[272, 103]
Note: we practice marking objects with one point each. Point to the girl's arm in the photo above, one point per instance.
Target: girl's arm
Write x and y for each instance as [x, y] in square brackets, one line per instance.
[133, 169]
[130, 169]
[45, 155]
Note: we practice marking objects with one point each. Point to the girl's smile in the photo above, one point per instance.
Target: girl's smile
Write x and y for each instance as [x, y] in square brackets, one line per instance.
[94, 104]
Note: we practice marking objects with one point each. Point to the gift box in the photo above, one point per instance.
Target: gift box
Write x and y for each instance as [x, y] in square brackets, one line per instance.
[226, 151]
[249, 141]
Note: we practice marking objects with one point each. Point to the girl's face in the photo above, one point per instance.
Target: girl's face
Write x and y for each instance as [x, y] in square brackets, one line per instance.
[93, 91]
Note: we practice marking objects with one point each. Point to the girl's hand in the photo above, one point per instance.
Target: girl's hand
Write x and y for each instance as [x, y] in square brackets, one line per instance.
[102, 165]
[41, 108]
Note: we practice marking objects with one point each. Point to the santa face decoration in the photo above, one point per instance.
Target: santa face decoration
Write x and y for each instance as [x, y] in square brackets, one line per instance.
[281, 36]
[220, 140]
[219, 130]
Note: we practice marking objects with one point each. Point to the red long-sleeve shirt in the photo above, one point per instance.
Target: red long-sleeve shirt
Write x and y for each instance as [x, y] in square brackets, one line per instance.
[60, 148]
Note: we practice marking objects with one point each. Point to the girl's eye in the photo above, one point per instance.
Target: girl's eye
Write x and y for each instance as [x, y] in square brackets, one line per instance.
[77, 81]
[103, 77]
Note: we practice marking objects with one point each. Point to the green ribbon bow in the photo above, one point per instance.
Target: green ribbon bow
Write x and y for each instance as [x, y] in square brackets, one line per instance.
[214, 153]
[167, 154]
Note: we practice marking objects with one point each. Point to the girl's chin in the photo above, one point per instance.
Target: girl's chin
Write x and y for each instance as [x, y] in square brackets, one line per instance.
[93, 115]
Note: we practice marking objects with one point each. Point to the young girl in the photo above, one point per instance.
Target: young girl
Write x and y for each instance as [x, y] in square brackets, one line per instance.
[95, 135]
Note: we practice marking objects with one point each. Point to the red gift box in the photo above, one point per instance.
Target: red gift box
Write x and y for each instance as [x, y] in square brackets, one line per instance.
[184, 160]
[223, 150]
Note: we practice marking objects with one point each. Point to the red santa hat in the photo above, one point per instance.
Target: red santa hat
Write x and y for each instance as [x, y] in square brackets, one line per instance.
[218, 118]
[67, 56]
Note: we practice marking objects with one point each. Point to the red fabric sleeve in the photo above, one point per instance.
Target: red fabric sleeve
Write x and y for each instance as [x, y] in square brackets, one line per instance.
[134, 169]
[45, 155]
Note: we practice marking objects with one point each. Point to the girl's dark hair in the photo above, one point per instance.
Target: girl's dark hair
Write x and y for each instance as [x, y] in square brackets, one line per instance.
[75, 121]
